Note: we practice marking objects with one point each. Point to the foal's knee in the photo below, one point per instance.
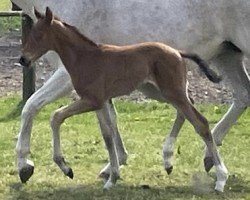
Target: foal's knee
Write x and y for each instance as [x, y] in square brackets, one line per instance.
[56, 118]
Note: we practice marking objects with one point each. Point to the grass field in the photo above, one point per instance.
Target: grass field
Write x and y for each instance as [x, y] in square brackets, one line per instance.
[5, 5]
[143, 127]
[8, 24]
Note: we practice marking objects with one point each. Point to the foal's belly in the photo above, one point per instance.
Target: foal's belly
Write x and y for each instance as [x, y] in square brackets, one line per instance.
[122, 87]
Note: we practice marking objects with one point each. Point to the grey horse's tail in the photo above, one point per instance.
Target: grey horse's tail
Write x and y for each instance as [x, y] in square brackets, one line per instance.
[211, 75]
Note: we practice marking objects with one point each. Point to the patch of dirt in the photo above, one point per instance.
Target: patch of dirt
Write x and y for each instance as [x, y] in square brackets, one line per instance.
[10, 75]
[200, 88]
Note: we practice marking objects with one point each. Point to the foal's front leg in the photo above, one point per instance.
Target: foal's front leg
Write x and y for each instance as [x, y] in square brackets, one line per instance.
[77, 107]
[121, 150]
[109, 135]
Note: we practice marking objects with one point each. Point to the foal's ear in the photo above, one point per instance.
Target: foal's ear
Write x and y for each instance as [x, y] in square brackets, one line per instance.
[48, 15]
[37, 14]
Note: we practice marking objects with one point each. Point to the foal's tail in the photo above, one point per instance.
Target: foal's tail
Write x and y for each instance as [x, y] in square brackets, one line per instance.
[211, 75]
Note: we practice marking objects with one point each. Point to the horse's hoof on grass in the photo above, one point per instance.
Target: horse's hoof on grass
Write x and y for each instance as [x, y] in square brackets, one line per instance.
[169, 170]
[26, 172]
[208, 163]
[219, 188]
[105, 176]
[218, 192]
[70, 173]
[108, 185]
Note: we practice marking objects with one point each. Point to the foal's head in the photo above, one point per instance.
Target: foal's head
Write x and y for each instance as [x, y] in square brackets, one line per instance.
[39, 40]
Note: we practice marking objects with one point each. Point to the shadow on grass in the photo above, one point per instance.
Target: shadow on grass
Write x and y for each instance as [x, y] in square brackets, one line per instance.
[237, 184]
[13, 114]
[236, 189]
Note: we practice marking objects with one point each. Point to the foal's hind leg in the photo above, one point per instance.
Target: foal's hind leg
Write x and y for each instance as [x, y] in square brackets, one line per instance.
[221, 129]
[168, 146]
[151, 91]
[121, 150]
[202, 128]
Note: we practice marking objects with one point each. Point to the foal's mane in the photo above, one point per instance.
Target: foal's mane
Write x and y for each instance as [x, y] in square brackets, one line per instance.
[77, 32]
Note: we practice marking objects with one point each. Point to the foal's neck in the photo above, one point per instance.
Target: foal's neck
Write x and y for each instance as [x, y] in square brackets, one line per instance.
[70, 35]
[69, 42]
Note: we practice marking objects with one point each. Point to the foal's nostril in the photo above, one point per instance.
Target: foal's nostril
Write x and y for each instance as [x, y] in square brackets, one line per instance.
[23, 61]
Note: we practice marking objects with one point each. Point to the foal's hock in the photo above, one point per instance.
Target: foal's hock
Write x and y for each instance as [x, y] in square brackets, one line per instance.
[100, 72]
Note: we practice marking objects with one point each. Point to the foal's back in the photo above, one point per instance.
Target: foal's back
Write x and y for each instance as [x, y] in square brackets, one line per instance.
[137, 57]
[126, 67]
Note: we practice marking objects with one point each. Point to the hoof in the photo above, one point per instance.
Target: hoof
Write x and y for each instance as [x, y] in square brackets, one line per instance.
[26, 172]
[70, 173]
[219, 188]
[169, 170]
[108, 185]
[145, 187]
[104, 176]
[208, 163]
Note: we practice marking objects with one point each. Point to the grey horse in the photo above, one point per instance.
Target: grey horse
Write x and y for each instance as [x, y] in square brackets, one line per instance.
[218, 30]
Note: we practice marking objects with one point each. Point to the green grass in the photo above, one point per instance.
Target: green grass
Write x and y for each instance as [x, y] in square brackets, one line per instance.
[143, 127]
[8, 24]
[5, 5]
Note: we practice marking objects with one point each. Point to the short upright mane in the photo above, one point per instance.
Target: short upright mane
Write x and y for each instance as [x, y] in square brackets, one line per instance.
[75, 30]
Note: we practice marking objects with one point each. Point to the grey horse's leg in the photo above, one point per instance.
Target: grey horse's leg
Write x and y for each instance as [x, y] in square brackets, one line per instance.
[168, 147]
[56, 87]
[230, 62]
[121, 150]
[227, 121]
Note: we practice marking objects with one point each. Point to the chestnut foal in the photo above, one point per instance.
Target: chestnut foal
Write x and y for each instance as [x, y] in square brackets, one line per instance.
[100, 72]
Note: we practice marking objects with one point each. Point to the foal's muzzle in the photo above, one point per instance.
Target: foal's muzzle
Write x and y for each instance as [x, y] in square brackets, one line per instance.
[24, 61]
